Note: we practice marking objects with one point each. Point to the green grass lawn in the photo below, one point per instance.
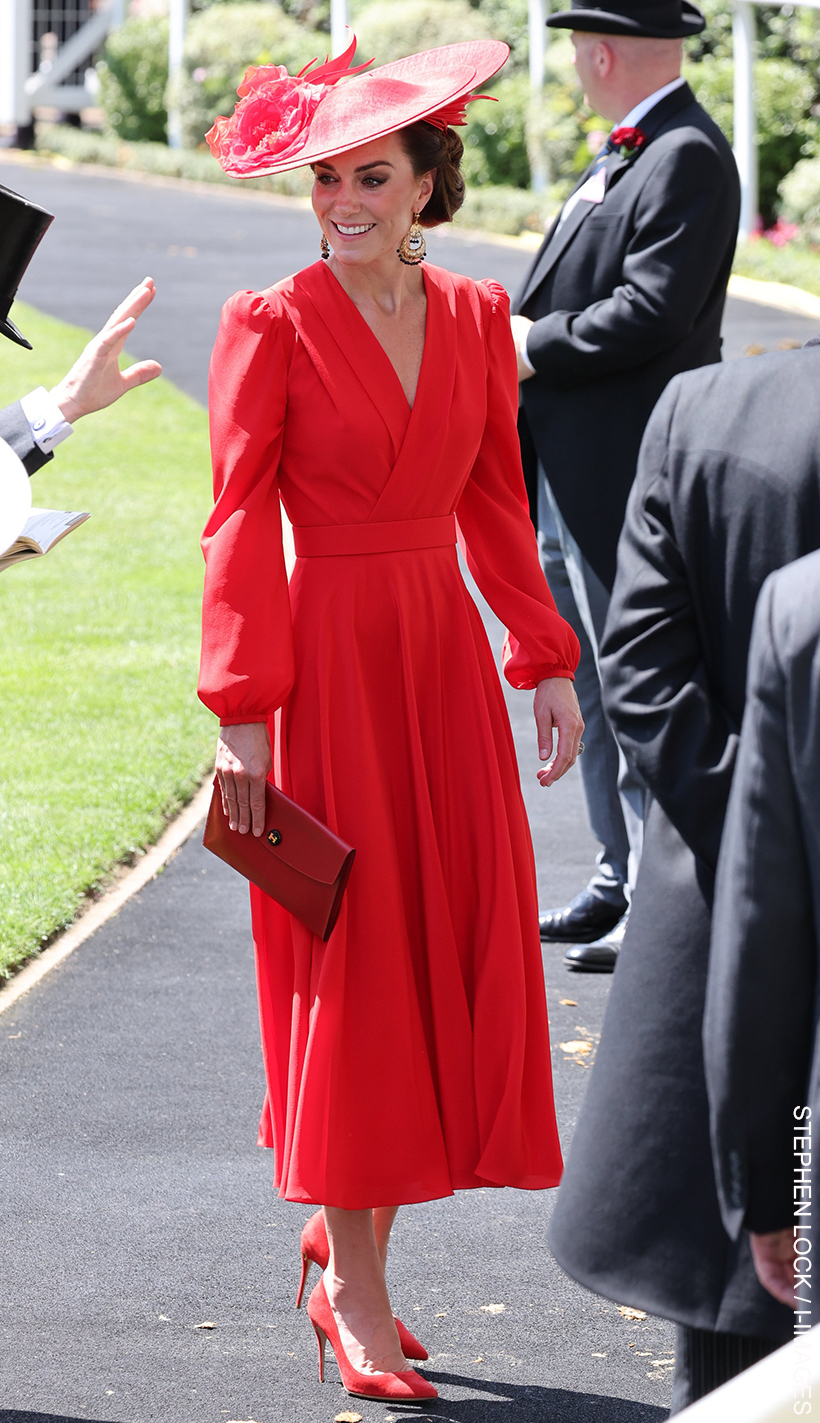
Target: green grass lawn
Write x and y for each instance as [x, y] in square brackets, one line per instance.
[103, 736]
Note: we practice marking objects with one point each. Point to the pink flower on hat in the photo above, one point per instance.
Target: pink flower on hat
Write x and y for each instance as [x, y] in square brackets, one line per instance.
[272, 119]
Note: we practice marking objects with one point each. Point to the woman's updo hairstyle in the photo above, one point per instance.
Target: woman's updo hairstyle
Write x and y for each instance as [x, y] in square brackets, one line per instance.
[437, 151]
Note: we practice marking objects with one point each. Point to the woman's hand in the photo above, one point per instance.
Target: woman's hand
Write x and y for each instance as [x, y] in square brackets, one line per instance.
[556, 709]
[243, 761]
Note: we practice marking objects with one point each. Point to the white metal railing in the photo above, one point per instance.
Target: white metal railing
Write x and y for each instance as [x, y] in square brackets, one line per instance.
[20, 91]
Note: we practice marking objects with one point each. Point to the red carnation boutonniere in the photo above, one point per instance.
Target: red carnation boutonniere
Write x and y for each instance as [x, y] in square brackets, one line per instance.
[628, 141]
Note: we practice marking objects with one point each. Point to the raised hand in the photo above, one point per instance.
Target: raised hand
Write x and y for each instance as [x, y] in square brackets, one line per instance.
[95, 380]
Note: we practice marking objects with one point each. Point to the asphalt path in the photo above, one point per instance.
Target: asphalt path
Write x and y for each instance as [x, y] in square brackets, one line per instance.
[135, 1206]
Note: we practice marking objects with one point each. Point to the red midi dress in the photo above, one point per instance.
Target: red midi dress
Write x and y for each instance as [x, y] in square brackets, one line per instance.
[409, 1056]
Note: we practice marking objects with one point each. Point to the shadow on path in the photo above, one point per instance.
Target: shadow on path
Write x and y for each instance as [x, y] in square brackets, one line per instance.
[13, 1415]
[521, 1404]
[524, 1403]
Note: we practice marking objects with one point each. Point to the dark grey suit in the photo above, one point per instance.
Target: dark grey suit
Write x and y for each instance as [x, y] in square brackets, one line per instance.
[16, 431]
[624, 295]
[761, 1038]
[728, 489]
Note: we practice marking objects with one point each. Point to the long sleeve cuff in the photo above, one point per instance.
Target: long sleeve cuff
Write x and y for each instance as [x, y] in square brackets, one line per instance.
[245, 720]
[46, 420]
[525, 355]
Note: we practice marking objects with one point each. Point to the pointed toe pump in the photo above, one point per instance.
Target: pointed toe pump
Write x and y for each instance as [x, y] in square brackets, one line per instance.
[315, 1251]
[404, 1387]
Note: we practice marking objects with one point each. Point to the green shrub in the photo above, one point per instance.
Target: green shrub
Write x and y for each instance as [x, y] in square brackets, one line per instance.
[495, 137]
[220, 44]
[800, 197]
[133, 77]
[786, 129]
[795, 264]
[387, 31]
[80, 146]
[505, 210]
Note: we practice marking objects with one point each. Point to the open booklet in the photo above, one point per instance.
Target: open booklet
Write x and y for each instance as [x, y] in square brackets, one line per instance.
[42, 530]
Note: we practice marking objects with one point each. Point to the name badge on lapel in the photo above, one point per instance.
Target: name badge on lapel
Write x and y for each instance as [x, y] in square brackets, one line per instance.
[594, 188]
[592, 191]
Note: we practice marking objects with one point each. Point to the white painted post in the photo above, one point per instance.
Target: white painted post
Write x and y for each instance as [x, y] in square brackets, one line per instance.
[177, 22]
[743, 31]
[339, 38]
[538, 43]
[15, 61]
[538, 46]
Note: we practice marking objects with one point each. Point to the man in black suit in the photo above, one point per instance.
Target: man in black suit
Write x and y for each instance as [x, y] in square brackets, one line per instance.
[627, 291]
[36, 424]
[727, 491]
[761, 1028]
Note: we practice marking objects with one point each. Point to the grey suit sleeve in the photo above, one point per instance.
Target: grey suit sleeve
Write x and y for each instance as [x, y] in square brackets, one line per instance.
[758, 1029]
[668, 274]
[15, 430]
[657, 694]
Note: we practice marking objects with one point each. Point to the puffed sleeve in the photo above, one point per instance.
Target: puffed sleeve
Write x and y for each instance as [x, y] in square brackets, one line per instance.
[246, 668]
[496, 533]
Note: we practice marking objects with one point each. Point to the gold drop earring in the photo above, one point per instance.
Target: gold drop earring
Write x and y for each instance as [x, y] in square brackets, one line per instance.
[412, 249]
[325, 248]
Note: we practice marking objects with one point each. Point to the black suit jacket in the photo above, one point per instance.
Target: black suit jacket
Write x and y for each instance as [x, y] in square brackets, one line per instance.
[761, 1037]
[727, 491]
[624, 295]
[16, 431]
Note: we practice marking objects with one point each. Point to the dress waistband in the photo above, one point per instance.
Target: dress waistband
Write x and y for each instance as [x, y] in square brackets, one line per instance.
[346, 540]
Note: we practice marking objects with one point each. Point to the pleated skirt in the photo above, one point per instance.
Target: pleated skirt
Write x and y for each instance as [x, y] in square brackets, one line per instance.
[408, 1057]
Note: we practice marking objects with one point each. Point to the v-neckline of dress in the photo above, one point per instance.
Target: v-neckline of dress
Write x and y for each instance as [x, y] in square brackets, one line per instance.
[346, 297]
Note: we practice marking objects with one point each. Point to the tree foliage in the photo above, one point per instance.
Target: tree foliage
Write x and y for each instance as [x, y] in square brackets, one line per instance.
[133, 75]
[504, 143]
[220, 44]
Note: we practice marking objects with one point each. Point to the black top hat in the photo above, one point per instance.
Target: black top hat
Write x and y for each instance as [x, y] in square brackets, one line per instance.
[22, 225]
[648, 19]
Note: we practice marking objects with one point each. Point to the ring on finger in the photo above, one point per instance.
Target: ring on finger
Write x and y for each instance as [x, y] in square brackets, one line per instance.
[581, 747]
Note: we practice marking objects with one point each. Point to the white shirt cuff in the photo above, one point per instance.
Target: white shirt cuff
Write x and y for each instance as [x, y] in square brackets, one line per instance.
[46, 420]
[522, 351]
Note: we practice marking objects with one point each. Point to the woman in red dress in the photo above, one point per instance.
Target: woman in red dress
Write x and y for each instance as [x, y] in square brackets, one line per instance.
[408, 1057]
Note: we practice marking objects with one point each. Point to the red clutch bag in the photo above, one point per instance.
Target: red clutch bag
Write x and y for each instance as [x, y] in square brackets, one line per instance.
[297, 860]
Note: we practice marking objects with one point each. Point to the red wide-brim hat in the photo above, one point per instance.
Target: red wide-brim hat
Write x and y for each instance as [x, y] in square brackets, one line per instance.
[287, 121]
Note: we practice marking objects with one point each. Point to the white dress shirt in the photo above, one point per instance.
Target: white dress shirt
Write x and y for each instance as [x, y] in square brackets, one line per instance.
[46, 420]
[631, 120]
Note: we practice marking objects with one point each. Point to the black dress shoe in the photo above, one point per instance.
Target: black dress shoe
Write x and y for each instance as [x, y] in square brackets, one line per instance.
[592, 958]
[588, 917]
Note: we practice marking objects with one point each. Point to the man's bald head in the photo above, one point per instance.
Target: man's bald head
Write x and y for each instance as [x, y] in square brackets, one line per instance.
[618, 71]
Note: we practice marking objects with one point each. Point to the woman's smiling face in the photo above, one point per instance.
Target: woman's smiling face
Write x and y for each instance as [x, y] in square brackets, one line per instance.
[365, 199]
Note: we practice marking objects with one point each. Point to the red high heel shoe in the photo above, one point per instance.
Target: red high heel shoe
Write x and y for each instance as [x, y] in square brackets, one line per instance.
[404, 1387]
[316, 1251]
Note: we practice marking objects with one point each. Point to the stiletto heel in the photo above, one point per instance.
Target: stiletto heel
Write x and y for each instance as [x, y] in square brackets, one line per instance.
[321, 1340]
[316, 1251]
[306, 1264]
[406, 1386]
